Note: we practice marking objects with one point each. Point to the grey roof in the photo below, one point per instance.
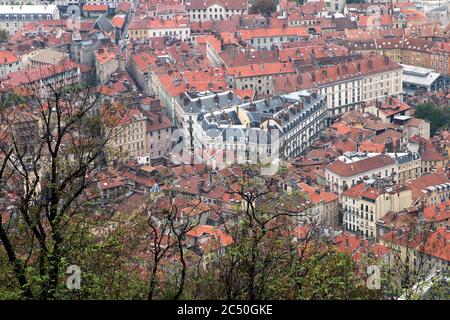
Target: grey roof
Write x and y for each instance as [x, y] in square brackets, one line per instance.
[289, 110]
[419, 76]
[195, 102]
[401, 158]
[103, 24]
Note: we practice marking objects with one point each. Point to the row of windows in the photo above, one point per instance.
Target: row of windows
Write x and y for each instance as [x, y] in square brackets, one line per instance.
[25, 17]
[160, 33]
[354, 228]
[218, 10]
[271, 39]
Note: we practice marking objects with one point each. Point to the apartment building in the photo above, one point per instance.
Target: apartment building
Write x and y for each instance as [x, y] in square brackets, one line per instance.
[95, 10]
[258, 77]
[348, 169]
[389, 109]
[428, 254]
[281, 127]
[416, 52]
[350, 84]
[129, 136]
[138, 66]
[146, 28]
[367, 202]
[41, 80]
[44, 57]
[409, 165]
[381, 78]
[405, 49]
[108, 60]
[430, 189]
[432, 160]
[214, 10]
[267, 38]
[438, 214]
[324, 209]
[9, 62]
[109, 3]
[14, 17]
[440, 58]
[333, 5]
[159, 135]
[416, 127]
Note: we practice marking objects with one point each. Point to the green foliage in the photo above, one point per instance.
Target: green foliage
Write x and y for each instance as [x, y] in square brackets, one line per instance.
[438, 117]
[355, 1]
[3, 35]
[263, 7]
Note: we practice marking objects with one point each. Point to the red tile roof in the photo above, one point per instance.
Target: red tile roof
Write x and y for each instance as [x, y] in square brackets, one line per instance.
[358, 248]
[369, 146]
[257, 70]
[143, 60]
[247, 34]
[326, 75]
[358, 167]
[95, 7]
[31, 75]
[438, 212]
[7, 57]
[425, 181]
[432, 155]
[210, 231]
[118, 22]
[150, 23]
[373, 21]
[436, 244]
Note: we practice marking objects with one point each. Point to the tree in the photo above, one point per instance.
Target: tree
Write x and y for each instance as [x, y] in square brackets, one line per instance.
[264, 261]
[166, 231]
[263, 7]
[3, 35]
[411, 268]
[52, 150]
[438, 118]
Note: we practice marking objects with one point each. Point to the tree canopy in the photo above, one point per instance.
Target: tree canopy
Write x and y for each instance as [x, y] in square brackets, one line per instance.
[263, 7]
[439, 117]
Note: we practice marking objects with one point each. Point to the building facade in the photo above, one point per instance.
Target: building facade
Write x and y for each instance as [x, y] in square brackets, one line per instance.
[14, 17]
[367, 202]
[213, 10]
[147, 28]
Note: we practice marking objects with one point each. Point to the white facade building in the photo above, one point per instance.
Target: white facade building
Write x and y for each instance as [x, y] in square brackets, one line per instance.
[14, 17]
[210, 10]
